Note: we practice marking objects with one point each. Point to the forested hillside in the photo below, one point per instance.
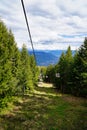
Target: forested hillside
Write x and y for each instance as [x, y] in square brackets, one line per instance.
[69, 75]
[18, 70]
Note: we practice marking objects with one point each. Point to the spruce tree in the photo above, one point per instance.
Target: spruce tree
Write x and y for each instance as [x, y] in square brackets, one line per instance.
[5, 62]
[26, 72]
[35, 70]
[80, 71]
[62, 70]
[65, 64]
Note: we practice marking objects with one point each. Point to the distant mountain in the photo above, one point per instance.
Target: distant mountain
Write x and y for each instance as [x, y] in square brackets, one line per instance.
[57, 53]
[47, 57]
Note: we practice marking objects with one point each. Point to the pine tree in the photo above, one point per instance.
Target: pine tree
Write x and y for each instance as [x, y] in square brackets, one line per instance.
[69, 61]
[26, 75]
[35, 70]
[62, 70]
[14, 58]
[50, 74]
[83, 58]
[65, 64]
[5, 62]
[80, 71]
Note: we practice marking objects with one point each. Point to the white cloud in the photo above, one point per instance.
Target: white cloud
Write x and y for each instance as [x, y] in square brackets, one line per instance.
[61, 22]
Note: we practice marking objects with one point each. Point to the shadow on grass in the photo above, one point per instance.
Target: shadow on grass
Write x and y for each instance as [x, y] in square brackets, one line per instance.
[44, 110]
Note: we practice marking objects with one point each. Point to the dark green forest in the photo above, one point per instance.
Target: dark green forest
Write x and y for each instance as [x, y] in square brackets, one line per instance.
[69, 75]
[18, 70]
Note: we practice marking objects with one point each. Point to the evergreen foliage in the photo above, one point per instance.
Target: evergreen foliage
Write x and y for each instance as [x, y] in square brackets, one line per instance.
[79, 79]
[18, 71]
[72, 71]
[26, 77]
[35, 70]
[50, 74]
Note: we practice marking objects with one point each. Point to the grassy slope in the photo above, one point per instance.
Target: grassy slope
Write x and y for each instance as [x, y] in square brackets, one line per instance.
[45, 109]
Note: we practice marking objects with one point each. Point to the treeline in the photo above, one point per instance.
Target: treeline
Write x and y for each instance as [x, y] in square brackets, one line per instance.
[18, 70]
[69, 75]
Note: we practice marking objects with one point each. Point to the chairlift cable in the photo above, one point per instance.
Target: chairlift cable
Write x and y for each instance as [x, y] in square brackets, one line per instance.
[30, 37]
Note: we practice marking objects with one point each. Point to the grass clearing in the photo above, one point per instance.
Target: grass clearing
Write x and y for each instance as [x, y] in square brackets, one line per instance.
[45, 109]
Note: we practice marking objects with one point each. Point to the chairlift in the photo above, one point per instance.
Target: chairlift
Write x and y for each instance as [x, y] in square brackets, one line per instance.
[58, 75]
[46, 76]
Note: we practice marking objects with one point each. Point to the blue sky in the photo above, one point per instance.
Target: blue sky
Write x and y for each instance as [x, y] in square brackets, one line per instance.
[54, 24]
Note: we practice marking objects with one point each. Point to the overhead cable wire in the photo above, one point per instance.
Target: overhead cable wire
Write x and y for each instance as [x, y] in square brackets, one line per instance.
[30, 37]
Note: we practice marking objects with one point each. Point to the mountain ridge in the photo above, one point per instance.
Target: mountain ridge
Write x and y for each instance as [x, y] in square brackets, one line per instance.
[47, 57]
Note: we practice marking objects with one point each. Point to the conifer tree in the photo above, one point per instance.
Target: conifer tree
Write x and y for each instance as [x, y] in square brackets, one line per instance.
[26, 76]
[50, 74]
[65, 63]
[62, 70]
[14, 59]
[34, 69]
[6, 78]
[69, 61]
[80, 71]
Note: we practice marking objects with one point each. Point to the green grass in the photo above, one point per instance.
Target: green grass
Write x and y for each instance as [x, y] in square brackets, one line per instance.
[45, 109]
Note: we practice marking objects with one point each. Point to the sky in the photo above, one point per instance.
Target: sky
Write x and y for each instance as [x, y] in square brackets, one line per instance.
[54, 24]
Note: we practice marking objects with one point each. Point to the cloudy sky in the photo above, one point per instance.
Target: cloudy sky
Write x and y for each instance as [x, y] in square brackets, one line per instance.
[54, 24]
